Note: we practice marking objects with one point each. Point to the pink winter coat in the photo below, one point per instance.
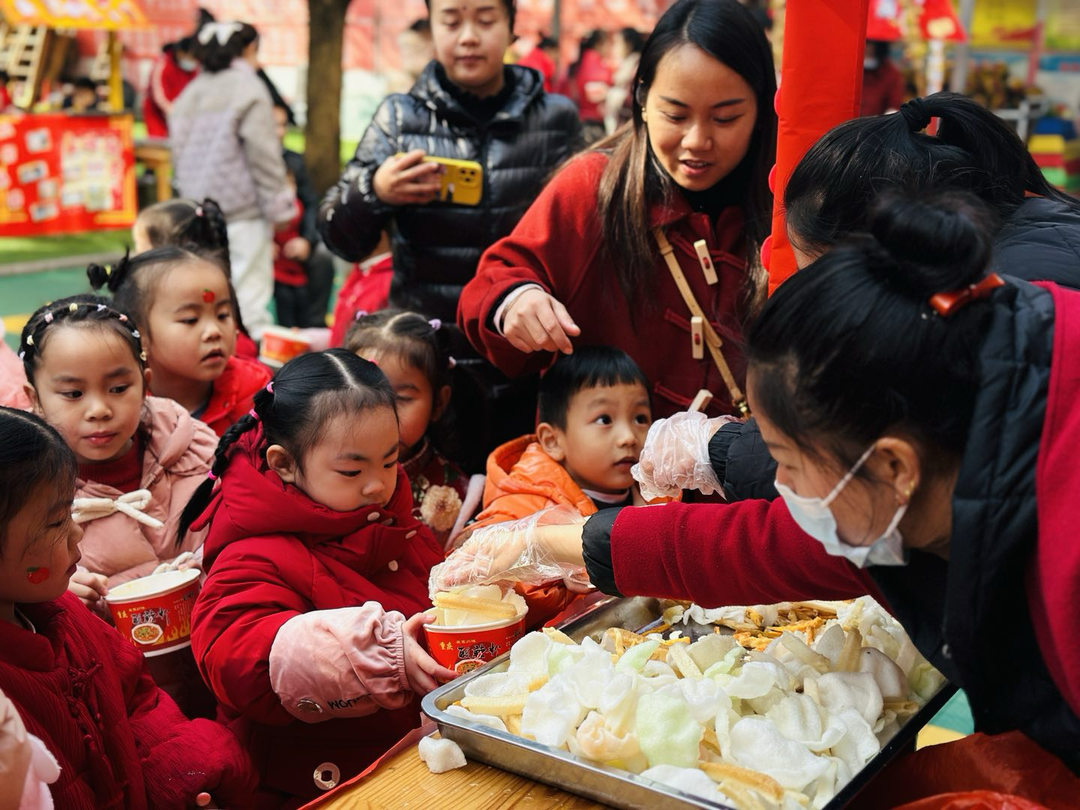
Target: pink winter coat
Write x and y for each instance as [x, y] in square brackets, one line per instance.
[179, 450]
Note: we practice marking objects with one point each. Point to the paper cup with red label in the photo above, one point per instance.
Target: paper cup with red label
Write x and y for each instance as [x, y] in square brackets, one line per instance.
[474, 625]
[154, 612]
[280, 345]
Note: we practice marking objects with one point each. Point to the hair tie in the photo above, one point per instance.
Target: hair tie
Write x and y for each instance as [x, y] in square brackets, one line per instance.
[916, 114]
[270, 387]
[29, 340]
[135, 334]
[48, 317]
[254, 415]
[451, 362]
[22, 355]
[360, 313]
[221, 31]
[435, 324]
[947, 303]
[142, 356]
[108, 270]
[211, 476]
[73, 307]
[101, 307]
[198, 210]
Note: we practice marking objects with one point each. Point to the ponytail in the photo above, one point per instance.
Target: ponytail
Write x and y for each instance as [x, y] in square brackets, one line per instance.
[834, 185]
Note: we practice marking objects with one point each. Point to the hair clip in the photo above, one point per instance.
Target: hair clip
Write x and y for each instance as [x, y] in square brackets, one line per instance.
[48, 317]
[435, 324]
[108, 270]
[101, 307]
[360, 313]
[73, 307]
[142, 356]
[22, 355]
[29, 340]
[211, 476]
[221, 31]
[123, 318]
[451, 362]
[135, 334]
[947, 303]
[254, 415]
[270, 387]
[198, 210]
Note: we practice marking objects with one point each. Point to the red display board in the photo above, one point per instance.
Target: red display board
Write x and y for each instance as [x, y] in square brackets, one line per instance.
[65, 174]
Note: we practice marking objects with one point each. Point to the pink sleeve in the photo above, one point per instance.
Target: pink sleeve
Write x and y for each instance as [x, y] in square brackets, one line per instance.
[347, 662]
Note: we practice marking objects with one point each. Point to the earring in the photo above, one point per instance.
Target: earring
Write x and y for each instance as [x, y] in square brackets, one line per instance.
[35, 576]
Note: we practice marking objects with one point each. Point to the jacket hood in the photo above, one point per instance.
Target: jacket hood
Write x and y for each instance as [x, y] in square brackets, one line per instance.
[252, 501]
[521, 467]
[528, 86]
[176, 442]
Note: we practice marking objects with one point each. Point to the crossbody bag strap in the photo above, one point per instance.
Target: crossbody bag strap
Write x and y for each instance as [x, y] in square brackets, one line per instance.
[712, 340]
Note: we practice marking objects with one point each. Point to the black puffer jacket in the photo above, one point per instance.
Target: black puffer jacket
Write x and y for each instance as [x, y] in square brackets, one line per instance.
[437, 246]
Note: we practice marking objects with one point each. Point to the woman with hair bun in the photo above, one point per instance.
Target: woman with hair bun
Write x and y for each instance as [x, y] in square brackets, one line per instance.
[225, 146]
[921, 409]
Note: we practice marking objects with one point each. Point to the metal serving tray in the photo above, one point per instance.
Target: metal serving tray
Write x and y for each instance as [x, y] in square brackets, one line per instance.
[613, 786]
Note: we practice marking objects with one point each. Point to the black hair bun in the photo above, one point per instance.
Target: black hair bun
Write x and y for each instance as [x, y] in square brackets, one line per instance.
[937, 242]
[110, 276]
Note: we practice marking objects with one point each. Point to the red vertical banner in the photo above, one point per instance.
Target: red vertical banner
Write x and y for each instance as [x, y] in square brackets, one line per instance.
[820, 87]
[65, 174]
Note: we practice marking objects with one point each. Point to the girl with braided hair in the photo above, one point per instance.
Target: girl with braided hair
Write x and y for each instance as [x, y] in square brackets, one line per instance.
[201, 228]
[139, 457]
[183, 302]
[314, 560]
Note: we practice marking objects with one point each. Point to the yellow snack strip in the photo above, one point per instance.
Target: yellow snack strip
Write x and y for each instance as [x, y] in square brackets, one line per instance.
[498, 706]
[755, 780]
[683, 662]
[454, 601]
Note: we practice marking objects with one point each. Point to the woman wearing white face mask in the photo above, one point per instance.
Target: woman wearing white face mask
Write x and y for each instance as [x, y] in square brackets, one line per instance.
[921, 412]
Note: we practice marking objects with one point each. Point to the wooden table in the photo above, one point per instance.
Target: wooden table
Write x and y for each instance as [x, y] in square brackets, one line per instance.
[405, 782]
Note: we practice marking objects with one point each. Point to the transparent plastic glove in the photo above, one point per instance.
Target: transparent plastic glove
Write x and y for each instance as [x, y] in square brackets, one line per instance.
[512, 551]
[676, 456]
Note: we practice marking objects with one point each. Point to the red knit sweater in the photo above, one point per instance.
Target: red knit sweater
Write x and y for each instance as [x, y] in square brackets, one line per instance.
[120, 741]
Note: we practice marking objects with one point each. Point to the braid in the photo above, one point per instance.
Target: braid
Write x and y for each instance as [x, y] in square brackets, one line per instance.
[72, 310]
[202, 496]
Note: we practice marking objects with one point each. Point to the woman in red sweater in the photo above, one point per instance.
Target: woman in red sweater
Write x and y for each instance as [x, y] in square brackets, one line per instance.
[77, 685]
[585, 263]
[921, 410]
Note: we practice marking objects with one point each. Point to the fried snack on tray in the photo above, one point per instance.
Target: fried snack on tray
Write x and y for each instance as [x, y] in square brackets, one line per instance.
[782, 723]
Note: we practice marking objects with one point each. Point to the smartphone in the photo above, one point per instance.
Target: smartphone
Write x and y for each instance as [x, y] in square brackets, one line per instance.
[462, 181]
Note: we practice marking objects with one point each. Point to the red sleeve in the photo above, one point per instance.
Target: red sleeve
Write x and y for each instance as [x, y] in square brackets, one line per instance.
[180, 758]
[552, 246]
[744, 553]
[241, 607]
[1053, 578]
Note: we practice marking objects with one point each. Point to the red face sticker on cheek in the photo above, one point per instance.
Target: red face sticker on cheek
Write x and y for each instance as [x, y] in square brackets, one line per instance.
[37, 575]
[208, 296]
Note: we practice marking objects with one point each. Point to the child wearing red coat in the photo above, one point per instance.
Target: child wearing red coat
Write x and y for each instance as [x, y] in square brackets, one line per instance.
[77, 685]
[313, 562]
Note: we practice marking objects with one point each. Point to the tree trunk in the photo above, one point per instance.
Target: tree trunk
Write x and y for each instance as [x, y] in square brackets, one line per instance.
[326, 34]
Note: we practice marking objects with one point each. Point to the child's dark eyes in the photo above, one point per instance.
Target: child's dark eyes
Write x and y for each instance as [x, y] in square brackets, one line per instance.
[349, 473]
[70, 394]
[390, 465]
[225, 316]
[119, 389]
[603, 419]
[642, 419]
[189, 321]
